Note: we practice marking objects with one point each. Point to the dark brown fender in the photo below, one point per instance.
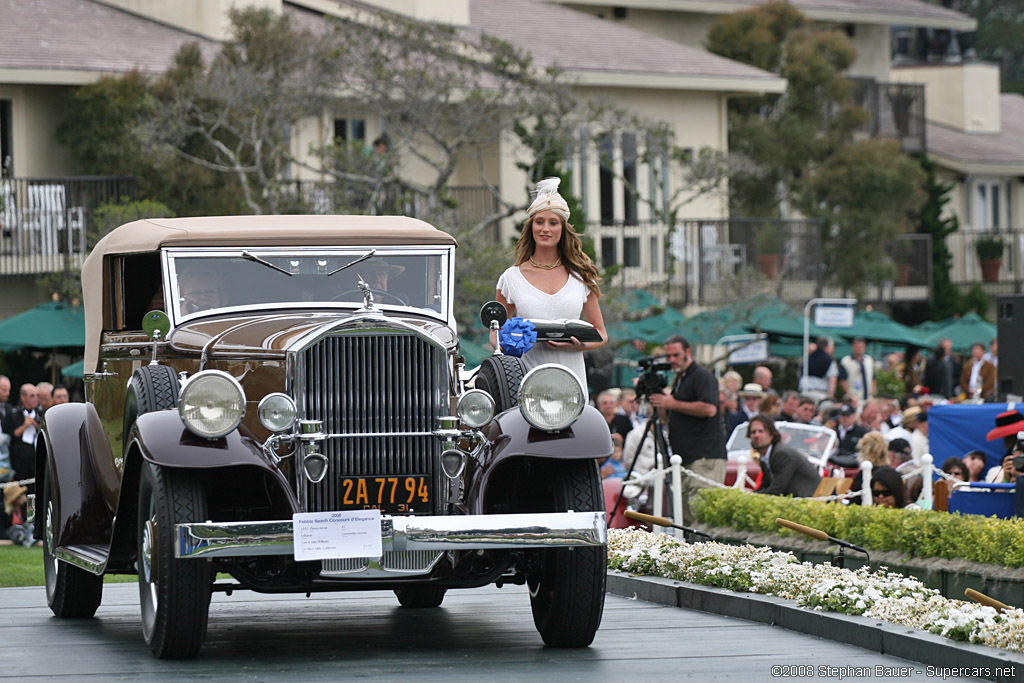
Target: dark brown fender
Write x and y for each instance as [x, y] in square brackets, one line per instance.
[65, 452]
[510, 435]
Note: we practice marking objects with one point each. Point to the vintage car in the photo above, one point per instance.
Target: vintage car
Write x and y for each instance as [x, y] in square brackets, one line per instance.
[282, 399]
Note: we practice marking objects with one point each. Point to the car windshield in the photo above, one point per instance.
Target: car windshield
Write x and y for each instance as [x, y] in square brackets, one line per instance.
[208, 280]
[813, 441]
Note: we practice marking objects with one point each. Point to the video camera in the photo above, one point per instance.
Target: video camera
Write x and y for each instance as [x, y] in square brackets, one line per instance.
[652, 379]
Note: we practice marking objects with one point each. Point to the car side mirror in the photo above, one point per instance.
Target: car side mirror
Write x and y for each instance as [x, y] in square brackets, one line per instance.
[156, 323]
[493, 312]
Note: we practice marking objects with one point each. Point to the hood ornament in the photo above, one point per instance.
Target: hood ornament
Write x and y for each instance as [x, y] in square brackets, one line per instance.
[367, 295]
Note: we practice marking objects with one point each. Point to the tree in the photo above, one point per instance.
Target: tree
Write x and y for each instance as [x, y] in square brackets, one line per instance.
[778, 141]
[866, 192]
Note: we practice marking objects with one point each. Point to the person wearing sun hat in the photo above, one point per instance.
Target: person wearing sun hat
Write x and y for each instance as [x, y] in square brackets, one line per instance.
[1008, 424]
[18, 530]
[553, 278]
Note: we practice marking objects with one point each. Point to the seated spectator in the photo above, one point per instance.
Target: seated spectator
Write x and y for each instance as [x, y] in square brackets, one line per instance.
[18, 530]
[975, 461]
[785, 470]
[750, 399]
[899, 455]
[805, 411]
[850, 433]
[1004, 473]
[612, 467]
[608, 404]
[60, 395]
[955, 468]
[872, 448]
[790, 404]
[887, 488]
[770, 406]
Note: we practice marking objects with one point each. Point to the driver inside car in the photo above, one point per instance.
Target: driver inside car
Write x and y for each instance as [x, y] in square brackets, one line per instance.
[376, 271]
[200, 290]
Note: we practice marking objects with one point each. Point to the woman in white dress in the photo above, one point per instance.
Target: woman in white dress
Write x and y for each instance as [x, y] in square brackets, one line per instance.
[553, 278]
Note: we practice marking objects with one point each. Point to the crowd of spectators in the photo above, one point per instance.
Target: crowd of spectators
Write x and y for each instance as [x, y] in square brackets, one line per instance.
[19, 425]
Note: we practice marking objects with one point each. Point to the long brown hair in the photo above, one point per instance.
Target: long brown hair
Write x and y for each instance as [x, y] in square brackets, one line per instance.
[570, 249]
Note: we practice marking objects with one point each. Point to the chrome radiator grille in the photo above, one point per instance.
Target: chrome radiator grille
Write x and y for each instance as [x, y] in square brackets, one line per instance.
[384, 391]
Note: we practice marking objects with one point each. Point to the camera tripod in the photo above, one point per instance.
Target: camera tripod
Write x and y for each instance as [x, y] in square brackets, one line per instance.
[661, 452]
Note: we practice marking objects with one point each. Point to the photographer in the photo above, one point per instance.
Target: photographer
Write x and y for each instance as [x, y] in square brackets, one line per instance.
[694, 425]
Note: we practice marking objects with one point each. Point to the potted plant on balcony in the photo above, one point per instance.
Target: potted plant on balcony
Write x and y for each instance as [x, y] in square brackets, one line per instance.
[768, 247]
[901, 100]
[990, 255]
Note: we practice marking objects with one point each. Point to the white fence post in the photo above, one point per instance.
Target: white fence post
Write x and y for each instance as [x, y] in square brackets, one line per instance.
[865, 488]
[926, 479]
[677, 493]
[741, 472]
[659, 495]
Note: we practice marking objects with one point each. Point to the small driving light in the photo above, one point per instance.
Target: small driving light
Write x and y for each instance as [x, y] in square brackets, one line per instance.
[452, 463]
[315, 467]
[476, 408]
[276, 412]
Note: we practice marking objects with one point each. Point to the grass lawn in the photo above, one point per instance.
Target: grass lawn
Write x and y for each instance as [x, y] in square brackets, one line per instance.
[21, 566]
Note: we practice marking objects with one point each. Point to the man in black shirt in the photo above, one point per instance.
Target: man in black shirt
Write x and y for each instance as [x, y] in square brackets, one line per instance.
[694, 425]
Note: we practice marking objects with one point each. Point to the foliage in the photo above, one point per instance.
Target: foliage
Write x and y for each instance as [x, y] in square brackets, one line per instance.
[989, 248]
[113, 214]
[889, 383]
[780, 140]
[865, 192]
[65, 283]
[916, 533]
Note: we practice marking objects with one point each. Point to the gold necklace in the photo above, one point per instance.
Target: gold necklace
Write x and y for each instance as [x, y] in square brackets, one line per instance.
[546, 266]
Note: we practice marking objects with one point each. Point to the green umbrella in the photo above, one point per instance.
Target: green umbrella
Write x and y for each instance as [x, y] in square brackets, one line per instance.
[639, 300]
[877, 326]
[963, 332]
[47, 326]
[74, 370]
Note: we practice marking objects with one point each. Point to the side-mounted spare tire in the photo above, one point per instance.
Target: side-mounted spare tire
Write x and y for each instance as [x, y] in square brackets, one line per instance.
[500, 376]
[151, 388]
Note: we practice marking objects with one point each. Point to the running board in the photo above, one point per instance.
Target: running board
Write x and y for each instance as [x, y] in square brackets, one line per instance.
[91, 558]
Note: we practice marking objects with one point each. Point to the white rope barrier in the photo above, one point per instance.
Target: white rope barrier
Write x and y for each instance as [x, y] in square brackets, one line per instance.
[23, 482]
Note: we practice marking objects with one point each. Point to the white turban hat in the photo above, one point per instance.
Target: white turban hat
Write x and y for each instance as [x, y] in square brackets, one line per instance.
[548, 199]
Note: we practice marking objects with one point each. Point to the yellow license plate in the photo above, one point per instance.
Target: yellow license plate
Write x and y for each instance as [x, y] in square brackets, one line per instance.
[397, 494]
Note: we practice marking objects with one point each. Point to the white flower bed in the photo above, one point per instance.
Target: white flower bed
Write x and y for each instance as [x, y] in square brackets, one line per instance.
[880, 595]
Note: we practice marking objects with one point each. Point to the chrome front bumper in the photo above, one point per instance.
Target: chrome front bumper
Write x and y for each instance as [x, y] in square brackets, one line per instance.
[456, 532]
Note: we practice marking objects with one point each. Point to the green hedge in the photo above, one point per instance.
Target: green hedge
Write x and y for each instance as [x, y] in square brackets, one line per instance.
[914, 533]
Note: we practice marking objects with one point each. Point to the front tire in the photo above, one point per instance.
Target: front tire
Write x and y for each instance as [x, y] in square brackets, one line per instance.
[71, 592]
[420, 598]
[501, 376]
[567, 585]
[174, 593]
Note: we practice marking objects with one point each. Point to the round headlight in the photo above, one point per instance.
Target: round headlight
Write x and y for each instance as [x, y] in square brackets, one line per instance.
[276, 412]
[551, 397]
[212, 403]
[476, 408]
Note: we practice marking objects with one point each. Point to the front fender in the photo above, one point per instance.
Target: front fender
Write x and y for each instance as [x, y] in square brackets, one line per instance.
[509, 435]
[163, 440]
[65, 458]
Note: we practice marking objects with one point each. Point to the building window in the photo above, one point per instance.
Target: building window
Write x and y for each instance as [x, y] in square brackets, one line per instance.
[629, 176]
[608, 255]
[631, 252]
[606, 156]
[985, 207]
[6, 140]
[349, 129]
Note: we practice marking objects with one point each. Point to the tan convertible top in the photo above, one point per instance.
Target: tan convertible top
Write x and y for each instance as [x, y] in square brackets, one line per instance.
[233, 231]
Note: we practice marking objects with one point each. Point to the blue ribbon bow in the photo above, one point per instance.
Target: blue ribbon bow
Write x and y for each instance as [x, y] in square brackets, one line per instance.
[517, 336]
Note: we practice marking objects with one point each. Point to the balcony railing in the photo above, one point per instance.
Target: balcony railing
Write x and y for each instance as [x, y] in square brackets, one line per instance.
[966, 270]
[715, 261]
[895, 110]
[472, 203]
[45, 223]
